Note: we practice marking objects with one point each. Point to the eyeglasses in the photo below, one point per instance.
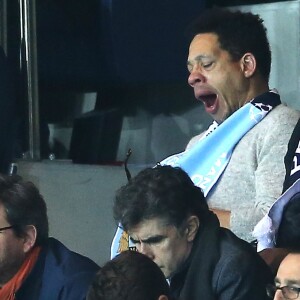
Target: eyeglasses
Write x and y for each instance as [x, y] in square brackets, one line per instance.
[7, 227]
[288, 292]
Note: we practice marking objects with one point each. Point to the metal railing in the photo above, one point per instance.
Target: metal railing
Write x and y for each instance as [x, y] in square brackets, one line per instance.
[28, 66]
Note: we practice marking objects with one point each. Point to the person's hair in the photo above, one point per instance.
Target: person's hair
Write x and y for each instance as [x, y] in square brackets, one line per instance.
[130, 275]
[164, 192]
[24, 205]
[238, 33]
[288, 235]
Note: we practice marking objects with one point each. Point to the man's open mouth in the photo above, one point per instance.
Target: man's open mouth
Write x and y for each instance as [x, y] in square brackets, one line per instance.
[209, 99]
[210, 102]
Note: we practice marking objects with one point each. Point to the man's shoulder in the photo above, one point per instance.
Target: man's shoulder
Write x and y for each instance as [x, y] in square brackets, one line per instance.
[235, 251]
[283, 113]
[61, 256]
[194, 140]
[66, 274]
[231, 244]
[279, 123]
[58, 274]
[240, 270]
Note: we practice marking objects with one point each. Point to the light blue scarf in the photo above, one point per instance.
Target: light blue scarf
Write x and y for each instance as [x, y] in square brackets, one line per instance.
[205, 167]
[206, 161]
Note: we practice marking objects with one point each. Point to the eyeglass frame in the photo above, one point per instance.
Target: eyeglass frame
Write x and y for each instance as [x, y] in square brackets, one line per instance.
[272, 289]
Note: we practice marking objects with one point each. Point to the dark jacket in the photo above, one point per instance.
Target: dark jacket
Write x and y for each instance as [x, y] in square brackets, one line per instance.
[221, 267]
[292, 159]
[59, 274]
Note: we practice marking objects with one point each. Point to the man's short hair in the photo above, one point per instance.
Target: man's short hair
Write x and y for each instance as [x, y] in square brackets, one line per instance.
[288, 235]
[130, 275]
[24, 205]
[163, 192]
[238, 33]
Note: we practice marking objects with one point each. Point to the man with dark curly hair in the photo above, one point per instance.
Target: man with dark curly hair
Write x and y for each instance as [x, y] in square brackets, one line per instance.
[168, 219]
[239, 160]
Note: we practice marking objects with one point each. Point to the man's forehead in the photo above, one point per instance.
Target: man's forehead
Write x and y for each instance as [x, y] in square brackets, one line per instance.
[205, 41]
[291, 259]
[149, 228]
[289, 269]
[204, 46]
[287, 281]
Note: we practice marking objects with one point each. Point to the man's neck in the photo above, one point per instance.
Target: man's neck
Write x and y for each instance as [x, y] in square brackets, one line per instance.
[6, 277]
[256, 88]
[11, 271]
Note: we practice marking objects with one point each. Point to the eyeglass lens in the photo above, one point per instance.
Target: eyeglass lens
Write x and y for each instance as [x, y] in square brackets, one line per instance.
[288, 292]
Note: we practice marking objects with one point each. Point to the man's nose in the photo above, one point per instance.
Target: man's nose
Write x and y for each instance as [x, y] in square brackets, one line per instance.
[196, 76]
[146, 250]
[278, 295]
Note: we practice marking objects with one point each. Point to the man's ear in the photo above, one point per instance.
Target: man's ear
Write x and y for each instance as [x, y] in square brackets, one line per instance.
[248, 64]
[192, 226]
[29, 238]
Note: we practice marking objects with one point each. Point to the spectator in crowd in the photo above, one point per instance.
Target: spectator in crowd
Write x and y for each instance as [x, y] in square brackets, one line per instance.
[238, 161]
[287, 281]
[288, 235]
[278, 231]
[130, 275]
[168, 219]
[292, 159]
[32, 265]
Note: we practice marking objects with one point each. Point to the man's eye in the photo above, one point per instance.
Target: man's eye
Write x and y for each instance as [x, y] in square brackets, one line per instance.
[294, 289]
[134, 241]
[155, 240]
[207, 65]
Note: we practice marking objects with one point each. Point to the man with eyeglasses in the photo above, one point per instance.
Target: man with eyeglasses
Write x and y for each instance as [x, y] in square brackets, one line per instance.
[287, 281]
[32, 265]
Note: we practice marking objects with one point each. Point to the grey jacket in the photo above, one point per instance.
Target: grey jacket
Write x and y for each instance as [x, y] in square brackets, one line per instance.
[254, 176]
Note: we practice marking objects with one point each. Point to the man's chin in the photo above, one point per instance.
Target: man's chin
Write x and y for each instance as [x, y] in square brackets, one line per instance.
[219, 118]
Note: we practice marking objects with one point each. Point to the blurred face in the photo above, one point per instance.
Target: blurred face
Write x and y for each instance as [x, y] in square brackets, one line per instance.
[11, 250]
[165, 244]
[217, 80]
[289, 275]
